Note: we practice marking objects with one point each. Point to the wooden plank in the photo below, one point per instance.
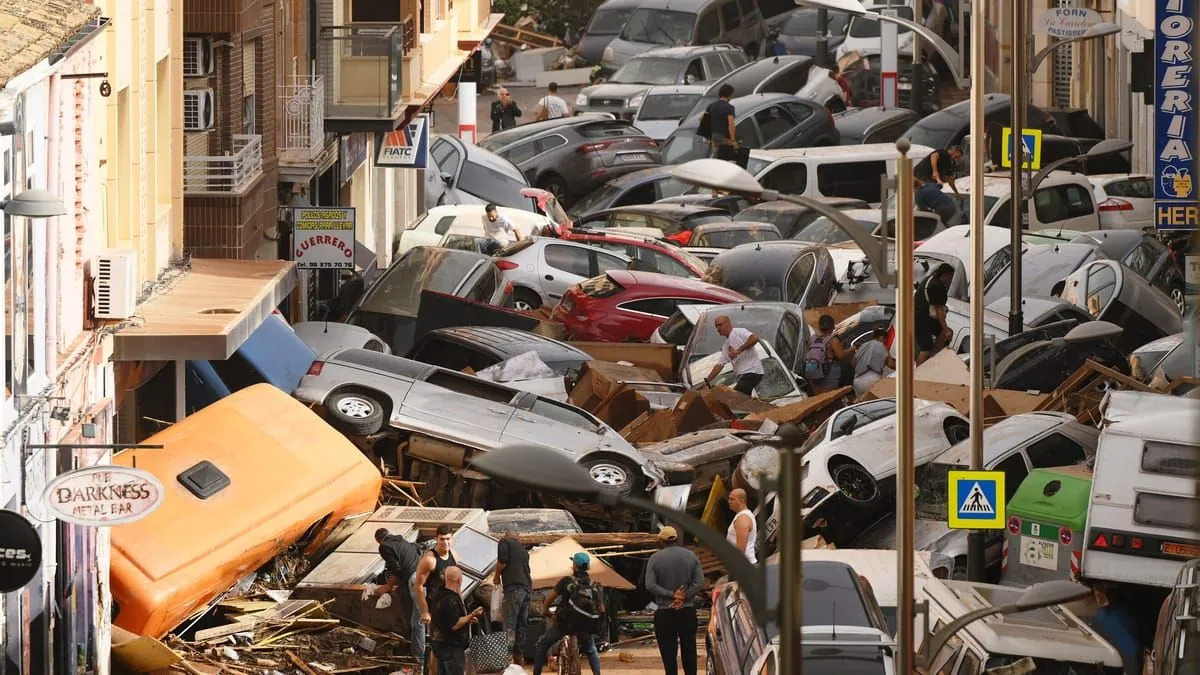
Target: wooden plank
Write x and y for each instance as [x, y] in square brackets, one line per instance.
[589, 539]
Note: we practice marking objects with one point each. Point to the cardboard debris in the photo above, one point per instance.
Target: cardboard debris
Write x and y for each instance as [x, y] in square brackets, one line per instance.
[811, 411]
[1081, 393]
[598, 380]
[551, 563]
[650, 427]
[662, 359]
[944, 367]
[141, 654]
[817, 542]
[721, 399]
[621, 407]
[691, 413]
[997, 403]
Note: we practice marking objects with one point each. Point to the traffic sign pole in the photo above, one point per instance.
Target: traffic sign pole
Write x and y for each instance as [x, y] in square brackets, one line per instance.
[975, 539]
[1020, 78]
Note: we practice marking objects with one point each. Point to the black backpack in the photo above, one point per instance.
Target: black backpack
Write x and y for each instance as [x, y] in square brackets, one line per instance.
[704, 128]
[582, 606]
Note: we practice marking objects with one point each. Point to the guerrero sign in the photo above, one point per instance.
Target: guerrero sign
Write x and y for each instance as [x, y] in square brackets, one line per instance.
[406, 147]
[104, 495]
[1176, 206]
[20, 551]
[1067, 22]
[323, 237]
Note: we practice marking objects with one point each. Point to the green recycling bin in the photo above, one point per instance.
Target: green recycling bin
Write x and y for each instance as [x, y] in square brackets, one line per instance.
[1046, 519]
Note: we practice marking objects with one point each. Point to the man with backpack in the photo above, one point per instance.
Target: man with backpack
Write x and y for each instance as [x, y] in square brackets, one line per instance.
[739, 350]
[580, 604]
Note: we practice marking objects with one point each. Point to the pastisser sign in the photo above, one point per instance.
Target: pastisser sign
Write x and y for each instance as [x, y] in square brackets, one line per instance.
[1176, 205]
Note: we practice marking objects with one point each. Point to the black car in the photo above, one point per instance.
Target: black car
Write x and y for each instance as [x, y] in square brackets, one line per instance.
[640, 187]
[771, 75]
[790, 218]
[873, 125]
[950, 125]
[676, 221]
[1144, 254]
[776, 271]
[798, 31]
[764, 121]
[480, 347]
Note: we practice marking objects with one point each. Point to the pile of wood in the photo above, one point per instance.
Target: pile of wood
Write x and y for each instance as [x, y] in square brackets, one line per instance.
[1082, 392]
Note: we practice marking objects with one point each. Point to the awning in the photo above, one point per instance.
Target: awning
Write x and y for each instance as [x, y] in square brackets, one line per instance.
[208, 313]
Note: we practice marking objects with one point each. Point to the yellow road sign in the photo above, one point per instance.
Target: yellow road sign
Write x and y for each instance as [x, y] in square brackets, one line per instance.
[975, 500]
[1031, 154]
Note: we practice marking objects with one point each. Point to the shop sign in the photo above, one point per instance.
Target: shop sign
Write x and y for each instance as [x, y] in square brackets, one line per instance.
[1175, 204]
[20, 551]
[353, 152]
[100, 496]
[406, 147]
[1067, 22]
[323, 237]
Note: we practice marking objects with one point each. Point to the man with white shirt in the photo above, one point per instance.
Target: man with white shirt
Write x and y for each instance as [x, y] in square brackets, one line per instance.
[738, 350]
[551, 106]
[498, 231]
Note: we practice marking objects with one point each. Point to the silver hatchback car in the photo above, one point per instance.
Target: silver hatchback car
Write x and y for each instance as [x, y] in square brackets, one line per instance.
[362, 392]
[541, 269]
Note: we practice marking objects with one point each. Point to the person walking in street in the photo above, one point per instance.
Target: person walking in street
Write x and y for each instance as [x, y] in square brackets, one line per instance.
[452, 623]
[738, 350]
[551, 106]
[512, 568]
[932, 333]
[871, 360]
[580, 604]
[498, 231]
[430, 576]
[504, 111]
[743, 530]
[823, 360]
[674, 576]
[930, 174]
[400, 560]
[718, 124]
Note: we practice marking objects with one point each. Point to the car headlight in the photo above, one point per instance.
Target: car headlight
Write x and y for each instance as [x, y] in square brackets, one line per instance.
[581, 99]
[607, 57]
[636, 101]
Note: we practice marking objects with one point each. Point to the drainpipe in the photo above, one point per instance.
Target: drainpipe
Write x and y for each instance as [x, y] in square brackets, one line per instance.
[312, 30]
[53, 268]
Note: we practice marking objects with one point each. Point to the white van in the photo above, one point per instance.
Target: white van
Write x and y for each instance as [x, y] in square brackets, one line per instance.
[830, 171]
[1054, 638]
[1062, 201]
[430, 228]
[1144, 515]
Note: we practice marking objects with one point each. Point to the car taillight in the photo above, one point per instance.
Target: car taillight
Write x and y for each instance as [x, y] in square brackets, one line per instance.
[1114, 204]
[891, 336]
[681, 237]
[595, 147]
[1101, 541]
[315, 368]
[506, 265]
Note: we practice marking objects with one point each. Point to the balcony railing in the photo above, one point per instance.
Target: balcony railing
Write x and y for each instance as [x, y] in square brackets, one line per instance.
[230, 174]
[361, 65]
[303, 132]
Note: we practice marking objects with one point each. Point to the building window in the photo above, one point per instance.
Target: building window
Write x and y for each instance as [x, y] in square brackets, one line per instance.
[248, 126]
[373, 11]
[249, 85]
[7, 168]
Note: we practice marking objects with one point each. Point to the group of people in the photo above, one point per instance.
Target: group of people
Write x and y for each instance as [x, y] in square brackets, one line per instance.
[505, 111]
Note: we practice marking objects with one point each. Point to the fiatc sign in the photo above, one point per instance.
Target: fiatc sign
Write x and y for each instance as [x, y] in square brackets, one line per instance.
[103, 495]
[406, 147]
[1176, 205]
[323, 237]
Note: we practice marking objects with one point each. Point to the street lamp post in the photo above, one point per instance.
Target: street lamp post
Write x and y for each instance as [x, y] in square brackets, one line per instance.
[976, 538]
[905, 460]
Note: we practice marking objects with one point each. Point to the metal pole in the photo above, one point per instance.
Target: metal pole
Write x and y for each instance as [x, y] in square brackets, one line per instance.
[1020, 208]
[975, 538]
[889, 58]
[791, 533]
[905, 467]
[917, 72]
[823, 38]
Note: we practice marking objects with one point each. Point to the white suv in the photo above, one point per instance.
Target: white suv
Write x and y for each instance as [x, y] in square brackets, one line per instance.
[1064, 200]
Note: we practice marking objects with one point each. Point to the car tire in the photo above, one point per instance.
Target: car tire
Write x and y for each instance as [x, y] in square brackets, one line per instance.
[854, 482]
[526, 300]
[355, 413]
[621, 475]
[957, 431]
[1178, 297]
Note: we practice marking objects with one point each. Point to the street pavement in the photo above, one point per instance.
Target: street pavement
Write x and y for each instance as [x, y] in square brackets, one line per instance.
[446, 110]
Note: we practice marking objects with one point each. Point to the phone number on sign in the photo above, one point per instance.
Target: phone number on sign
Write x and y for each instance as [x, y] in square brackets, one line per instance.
[325, 265]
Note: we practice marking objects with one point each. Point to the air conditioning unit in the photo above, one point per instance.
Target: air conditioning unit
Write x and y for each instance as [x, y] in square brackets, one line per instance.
[197, 57]
[198, 109]
[114, 290]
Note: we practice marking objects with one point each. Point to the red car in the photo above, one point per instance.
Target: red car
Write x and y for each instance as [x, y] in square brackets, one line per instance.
[649, 254]
[624, 306]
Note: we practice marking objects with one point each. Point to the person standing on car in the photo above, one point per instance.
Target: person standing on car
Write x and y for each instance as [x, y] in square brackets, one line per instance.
[674, 576]
[430, 575]
[739, 350]
[512, 568]
[580, 604]
[743, 530]
[930, 174]
[498, 231]
[453, 624]
[774, 46]
[400, 559]
[932, 294]
[504, 111]
[871, 360]
[719, 121]
[550, 106]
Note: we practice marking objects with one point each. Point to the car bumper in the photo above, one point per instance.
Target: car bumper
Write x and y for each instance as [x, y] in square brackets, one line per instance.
[622, 113]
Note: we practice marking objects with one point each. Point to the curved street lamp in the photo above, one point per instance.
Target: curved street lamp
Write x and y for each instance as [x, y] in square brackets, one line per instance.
[1096, 31]
[718, 174]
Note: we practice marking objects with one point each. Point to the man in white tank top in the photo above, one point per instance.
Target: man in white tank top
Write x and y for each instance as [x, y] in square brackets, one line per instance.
[743, 531]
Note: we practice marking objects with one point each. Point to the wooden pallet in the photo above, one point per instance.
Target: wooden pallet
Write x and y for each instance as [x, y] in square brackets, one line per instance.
[1082, 392]
[518, 37]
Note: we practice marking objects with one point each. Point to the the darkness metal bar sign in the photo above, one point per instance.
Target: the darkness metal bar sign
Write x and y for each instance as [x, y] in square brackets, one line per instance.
[1176, 206]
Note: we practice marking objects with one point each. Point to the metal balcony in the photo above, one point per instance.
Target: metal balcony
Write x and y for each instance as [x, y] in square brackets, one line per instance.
[302, 106]
[360, 65]
[228, 175]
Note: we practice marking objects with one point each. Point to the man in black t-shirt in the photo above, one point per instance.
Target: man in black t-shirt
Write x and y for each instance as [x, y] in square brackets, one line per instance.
[512, 569]
[930, 307]
[719, 120]
[453, 623]
[400, 558]
[930, 173]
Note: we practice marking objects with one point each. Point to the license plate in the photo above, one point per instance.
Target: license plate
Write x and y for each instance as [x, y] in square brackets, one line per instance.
[1182, 549]
[904, 85]
[634, 157]
[1039, 553]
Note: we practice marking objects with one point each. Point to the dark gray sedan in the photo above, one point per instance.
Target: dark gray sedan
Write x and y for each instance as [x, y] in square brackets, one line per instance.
[571, 156]
[763, 121]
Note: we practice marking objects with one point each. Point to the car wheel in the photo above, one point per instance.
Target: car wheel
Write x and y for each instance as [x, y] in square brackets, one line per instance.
[555, 185]
[1180, 300]
[957, 431]
[526, 300]
[355, 413]
[615, 474]
[855, 482]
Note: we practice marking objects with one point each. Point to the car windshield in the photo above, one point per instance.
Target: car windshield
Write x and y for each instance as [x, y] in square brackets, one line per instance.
[865, 28]
[803, 23]
[753, 285]
[398, 291]
[596, 200]
[647, 71]
[760, 321]
[608, 21]
[933, 482]
[683, 146]
[659, 27]
[667, 106]
[732, 237]
[935, 131]
[775, 383]
[824, 231]
[492, 186]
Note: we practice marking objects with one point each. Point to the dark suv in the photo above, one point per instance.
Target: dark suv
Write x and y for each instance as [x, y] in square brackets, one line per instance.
[571, 156]
[622, 94]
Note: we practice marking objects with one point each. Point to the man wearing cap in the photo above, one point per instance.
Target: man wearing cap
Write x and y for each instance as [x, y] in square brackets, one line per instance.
[674, 576]
[580, 604]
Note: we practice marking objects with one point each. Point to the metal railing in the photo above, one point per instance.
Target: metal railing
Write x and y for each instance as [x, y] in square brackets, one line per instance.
[229, 174]
[302, 102]
[361, 68]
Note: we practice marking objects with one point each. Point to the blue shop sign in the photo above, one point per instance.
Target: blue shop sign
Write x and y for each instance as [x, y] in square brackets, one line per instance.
[1176, 205]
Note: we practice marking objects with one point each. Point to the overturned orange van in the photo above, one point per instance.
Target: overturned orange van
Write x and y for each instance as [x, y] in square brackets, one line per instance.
[244, 479]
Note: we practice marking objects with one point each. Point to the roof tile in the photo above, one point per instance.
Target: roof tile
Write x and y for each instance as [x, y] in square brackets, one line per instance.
[31, 30]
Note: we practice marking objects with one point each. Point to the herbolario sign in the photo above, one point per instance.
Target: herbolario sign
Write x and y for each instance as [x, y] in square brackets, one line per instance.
[103, 495]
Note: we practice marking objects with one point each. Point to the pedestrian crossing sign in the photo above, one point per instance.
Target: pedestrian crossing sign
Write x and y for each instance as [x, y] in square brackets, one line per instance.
[976, 500]
[1031, 148]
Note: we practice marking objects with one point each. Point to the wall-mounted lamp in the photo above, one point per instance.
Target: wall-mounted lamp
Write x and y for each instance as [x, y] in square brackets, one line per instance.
[34, 203]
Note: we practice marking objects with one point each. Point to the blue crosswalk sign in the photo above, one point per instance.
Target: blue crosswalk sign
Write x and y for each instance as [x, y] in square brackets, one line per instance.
[976, 499]
[1031, 147]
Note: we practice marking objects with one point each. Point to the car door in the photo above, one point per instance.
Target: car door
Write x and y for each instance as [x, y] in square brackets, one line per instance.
[562, 265]
[776, 126]
[800, 277]
[714, 66]
[789, 178]
[1069, 207]
[458, 407]
[747, 134]
[552, 424]
[522, 155]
